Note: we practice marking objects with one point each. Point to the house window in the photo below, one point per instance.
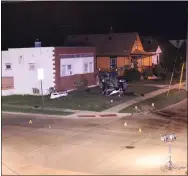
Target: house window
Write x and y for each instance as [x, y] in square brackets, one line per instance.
[63, 70]
[8, 66]
[86, 67]
[32, 66]
[113, 62]
[91, 67]
[69, 69]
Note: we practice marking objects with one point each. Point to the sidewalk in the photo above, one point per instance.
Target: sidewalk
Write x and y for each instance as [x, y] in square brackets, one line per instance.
[139, 99]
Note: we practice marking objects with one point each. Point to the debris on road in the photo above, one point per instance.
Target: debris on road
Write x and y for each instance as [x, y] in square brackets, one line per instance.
[136, 107]
[140, 130]
[58, 95]
[125, 124]
[30, 121]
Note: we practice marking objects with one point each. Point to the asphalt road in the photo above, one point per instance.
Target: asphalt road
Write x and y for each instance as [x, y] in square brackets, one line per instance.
[92, 146]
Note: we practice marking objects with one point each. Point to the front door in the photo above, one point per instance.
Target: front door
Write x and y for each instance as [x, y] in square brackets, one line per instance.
[113, 62]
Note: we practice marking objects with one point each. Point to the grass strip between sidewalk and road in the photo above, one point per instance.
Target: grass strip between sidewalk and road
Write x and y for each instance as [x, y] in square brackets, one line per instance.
[35, 111]
[160, 101]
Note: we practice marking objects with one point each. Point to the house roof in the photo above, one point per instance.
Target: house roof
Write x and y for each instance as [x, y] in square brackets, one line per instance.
[106, 44]
[149, 43]
[143, 53]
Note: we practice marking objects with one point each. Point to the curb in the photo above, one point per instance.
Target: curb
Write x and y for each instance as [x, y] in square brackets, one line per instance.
[97, 115]
[71, 116]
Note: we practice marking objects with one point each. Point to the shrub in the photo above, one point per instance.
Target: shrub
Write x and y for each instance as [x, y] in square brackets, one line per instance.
[159, 71]
[132, 75]
[147, 72]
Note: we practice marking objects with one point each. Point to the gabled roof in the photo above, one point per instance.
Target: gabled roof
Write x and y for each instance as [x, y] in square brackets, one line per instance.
[106, 44]
[149, 43]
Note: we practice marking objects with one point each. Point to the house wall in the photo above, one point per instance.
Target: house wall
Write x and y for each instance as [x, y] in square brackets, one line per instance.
[104, 62]
[122, 61]
[137, 45]
[24, 78]
[67, 82]
[157, 55]
[144, 63]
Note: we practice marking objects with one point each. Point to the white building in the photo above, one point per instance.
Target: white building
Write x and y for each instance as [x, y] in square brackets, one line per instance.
[19, 68]
[21, 65]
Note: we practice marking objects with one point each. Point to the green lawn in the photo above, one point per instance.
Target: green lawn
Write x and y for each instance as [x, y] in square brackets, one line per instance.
[77, 100]
[160, 101]
[37, 111]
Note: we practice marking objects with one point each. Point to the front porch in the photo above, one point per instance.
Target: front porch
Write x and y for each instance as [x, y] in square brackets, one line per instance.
[141, 60]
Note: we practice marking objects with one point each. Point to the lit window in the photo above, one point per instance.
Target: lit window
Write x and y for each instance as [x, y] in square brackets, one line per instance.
[32, 66]
[8, 66]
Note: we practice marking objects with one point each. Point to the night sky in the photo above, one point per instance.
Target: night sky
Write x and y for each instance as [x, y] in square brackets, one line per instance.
[22, 23]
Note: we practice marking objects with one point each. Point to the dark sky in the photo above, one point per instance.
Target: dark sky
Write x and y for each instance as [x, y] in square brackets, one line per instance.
[23, 22]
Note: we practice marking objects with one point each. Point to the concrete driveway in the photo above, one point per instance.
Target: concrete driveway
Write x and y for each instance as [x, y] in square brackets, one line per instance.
[91, 146]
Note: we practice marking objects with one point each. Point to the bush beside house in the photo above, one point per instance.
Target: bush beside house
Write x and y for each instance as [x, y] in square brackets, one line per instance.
[159, 71]
[132, 75]
[147, 72]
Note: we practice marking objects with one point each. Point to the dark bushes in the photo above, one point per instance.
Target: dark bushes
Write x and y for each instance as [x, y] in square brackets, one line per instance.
[132, 75]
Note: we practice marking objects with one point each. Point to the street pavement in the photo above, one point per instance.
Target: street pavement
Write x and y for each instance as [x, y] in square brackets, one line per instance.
[93, 146]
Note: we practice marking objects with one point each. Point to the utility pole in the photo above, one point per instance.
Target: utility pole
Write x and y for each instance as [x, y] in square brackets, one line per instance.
[187, 58]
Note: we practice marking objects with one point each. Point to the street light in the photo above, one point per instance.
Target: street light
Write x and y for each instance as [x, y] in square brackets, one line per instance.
[169, 139]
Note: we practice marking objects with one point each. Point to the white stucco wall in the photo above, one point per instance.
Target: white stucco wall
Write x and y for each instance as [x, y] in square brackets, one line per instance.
[24, 78]
[157, 54]
[5, 57]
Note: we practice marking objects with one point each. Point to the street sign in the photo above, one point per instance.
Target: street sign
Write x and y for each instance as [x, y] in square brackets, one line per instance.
[177, 43]
[40, 74]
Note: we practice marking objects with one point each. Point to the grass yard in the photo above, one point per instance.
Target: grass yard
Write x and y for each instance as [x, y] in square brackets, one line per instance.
[160, 101]
[77, 100]
[37, 111]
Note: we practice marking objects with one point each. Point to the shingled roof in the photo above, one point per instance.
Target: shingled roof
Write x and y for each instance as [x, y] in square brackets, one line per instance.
[149, 43]
[106, 44]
